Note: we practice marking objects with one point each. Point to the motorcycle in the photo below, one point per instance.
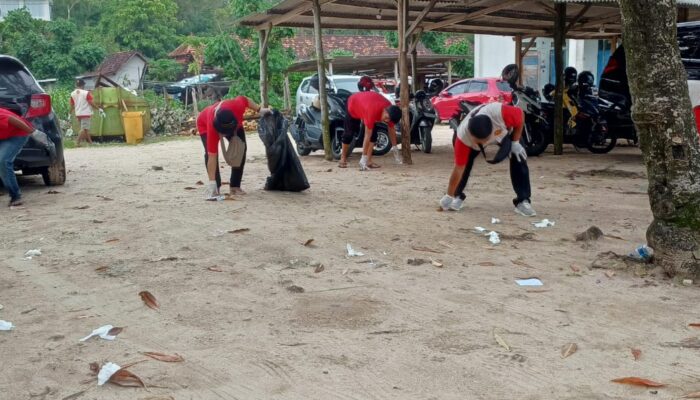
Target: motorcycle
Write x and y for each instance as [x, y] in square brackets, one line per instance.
[528, 99]
[584, 119]
[422, 120]
[307, 129]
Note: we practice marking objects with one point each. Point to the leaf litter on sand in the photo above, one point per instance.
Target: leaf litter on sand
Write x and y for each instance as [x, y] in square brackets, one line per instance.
[637, 354]
[164, 357]
[568, 350]
[113, 373]
[426, 249]
[308, 243]
[694, 395]
[635, 381]
[501, 341]
[149, 299]
[215, 269]
[241, 230]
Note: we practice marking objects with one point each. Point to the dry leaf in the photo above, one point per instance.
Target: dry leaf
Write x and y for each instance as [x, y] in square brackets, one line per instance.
[426, 249]
[609, 274]
[308, 242]
[319, 268]
[53, 192]
[633, 380]
[112, 240]
[81, 208]
[694, 325]
[200, 183]
[500, 341]
[126, 378]
[345, 271]
[637, 354]
[158, 398]
[101, 269]
[575, 268]
[568, 350]
[537, 290]
[190, 188]
[436, 264]
[164, 357]
[115, 331]
[94, 368]
[486, 264]
[694, 395]
[241, 230]
[449, 246]
[149, 299]
[215, 269]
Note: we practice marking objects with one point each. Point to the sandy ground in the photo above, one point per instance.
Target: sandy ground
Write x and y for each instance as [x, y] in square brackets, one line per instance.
[371, 327]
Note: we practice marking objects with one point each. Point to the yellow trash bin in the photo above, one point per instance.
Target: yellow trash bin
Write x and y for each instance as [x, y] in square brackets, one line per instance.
[133, 126]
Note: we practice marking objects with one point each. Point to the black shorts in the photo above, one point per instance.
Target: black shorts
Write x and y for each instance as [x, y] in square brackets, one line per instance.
[353, 126]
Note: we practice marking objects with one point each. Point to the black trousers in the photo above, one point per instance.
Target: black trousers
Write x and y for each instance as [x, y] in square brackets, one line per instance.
[519, 177]
[236, 173]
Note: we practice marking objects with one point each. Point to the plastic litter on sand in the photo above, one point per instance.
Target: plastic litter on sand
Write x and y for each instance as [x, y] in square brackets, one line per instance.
[495, 220]
[106, 372]
[494, 238]
[529, 282]
[6, 326]
[642, 253]
[543, 224]
[102, 332]
[353, 253]
[32, 253]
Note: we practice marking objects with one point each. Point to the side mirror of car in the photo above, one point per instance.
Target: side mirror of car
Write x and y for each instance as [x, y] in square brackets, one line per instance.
[445, 94]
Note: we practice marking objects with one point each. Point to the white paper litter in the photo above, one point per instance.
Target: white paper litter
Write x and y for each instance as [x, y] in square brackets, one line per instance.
[495, 220]
[494, 238]
[102, 332]
[479, 229]
[6, 326]
[32, 253]
[543, 224]
[529, 282]
[353, 253]
[106, 372]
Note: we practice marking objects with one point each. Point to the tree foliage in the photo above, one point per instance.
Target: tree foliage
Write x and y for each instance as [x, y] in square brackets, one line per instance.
[164, 70]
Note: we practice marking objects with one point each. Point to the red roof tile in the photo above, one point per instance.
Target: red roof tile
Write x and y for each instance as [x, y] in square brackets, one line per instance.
[359, 45]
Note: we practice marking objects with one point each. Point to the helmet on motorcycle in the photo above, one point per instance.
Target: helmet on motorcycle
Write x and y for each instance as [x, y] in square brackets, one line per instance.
[510, 74]
[436, 85]
[365, 84]
[570, 74]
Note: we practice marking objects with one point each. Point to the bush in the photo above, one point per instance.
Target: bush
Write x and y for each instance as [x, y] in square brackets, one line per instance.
[60, 100]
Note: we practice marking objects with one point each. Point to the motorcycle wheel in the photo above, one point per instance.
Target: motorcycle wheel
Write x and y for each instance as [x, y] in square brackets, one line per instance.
[534, 141]
[383, 144]
[604, 146]
[337, 143]
[426, 139]
[302, 150]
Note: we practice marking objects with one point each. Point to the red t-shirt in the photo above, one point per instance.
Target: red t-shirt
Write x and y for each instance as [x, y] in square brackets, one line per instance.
[8, 131]
[237, 106]
[512, 116]
[368, 107]
[203, 118]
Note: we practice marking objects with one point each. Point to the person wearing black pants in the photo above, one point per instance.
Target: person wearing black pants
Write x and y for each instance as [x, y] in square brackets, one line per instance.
[486, 125]
[236, 173]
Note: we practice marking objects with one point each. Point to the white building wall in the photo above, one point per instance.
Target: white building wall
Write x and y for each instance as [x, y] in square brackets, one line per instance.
[40, 9]
[491, 54]
[130, 74]
[583, 55]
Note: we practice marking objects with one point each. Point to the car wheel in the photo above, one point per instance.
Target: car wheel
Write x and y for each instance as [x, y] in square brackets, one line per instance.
[383, 144]
[55, 174]
[302, 150]
[426, 138]
[337, 143]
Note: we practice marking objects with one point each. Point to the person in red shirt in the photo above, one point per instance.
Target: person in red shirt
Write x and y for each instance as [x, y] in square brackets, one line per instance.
[223, 119]
[14, 133]
[369, 108]
[489, 124]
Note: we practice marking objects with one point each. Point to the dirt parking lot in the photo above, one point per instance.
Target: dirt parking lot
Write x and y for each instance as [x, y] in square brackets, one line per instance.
[255, 316]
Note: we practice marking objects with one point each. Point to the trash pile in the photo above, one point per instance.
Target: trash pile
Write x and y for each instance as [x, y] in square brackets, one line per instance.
[250, 125]
[172, 121]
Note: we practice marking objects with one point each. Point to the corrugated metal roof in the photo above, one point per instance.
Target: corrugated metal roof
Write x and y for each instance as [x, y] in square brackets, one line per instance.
[688, 3]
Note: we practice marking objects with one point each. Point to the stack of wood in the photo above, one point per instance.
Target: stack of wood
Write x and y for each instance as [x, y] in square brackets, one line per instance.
[250, 121]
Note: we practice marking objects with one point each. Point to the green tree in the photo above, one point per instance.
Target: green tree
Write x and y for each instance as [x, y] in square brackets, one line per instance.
[148, 26]
[164, 70]
[340, 53]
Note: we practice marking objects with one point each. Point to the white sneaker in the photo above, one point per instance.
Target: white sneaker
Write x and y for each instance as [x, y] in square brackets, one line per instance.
[525, 209]
[446, 202]
[397, 156]
[456, 204]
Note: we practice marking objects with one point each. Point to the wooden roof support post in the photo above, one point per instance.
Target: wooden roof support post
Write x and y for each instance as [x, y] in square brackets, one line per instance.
[519, 57]
[613, 44]
[321, 70]
[264, 38]
[559, 37]
[402, 6]
[523, 53]
[449, 73]
[287, 94]
[414, 59]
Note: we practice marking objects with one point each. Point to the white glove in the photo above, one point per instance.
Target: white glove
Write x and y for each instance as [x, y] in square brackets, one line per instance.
[518, 151]
[265, 111]
[102, 113]
[397, 155]
[211, 190]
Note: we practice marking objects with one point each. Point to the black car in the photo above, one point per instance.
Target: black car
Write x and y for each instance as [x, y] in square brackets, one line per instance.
[20, 92]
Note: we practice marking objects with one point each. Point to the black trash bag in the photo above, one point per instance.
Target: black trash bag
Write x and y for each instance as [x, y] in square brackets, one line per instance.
[286, 171]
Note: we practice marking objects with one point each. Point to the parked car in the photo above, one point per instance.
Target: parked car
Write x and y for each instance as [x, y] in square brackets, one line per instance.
[476, 90]
[20, 92]
[307, 93]
[614, 86]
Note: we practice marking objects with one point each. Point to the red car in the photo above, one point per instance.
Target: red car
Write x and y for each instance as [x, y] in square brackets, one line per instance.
[478, 90]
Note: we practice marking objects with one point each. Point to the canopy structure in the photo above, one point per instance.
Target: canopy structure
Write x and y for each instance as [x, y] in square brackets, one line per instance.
[378, 65]
[522, 19]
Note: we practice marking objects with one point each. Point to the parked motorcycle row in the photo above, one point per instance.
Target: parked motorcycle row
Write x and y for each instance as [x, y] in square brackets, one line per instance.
[591, 121]
[307, 129]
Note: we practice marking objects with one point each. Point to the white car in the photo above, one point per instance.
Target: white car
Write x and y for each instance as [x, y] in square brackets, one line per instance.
[306, 93]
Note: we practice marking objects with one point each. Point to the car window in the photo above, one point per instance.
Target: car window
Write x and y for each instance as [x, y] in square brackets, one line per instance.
[503, 86]
[311, 89]
[458, 88]
[349, 84]
[15, 81]
[305, 86]
[478, 87]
